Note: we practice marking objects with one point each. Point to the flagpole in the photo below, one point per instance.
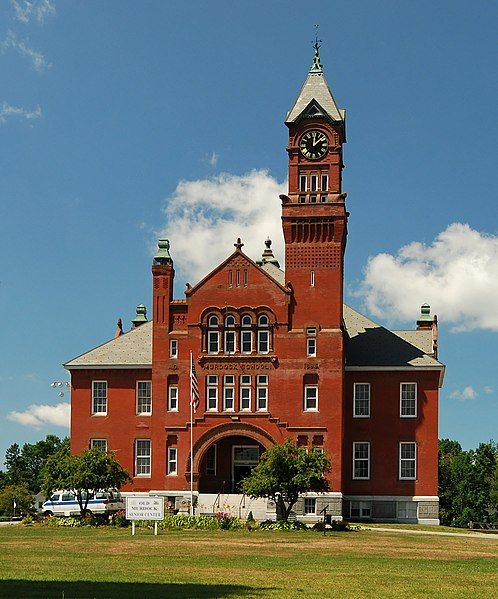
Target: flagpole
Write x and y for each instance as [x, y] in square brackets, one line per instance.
[191, 441]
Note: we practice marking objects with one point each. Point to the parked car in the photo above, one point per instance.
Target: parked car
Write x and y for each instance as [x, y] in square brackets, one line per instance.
[64, 503]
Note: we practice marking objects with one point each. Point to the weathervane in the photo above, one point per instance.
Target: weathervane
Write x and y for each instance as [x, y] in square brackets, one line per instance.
[316, 66]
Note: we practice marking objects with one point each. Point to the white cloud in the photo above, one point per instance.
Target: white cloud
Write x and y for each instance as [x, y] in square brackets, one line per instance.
[212, 159]
[38, 61]
[8, 111]
[39, 416]
[26, 10]
[457, 274]
[205, 217]
[465, 394]
[488, 390]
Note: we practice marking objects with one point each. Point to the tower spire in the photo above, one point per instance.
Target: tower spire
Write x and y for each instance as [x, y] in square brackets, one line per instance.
[316, 66]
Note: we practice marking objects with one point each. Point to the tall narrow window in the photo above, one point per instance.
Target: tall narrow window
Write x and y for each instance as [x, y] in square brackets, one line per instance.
[144, 397]
[302, 182]
[229, 335]
[361, 400]
[246, 335]
[99, 397]
[213, 335]
[407, 461]
[211, 461]
[212, 393]
[262, 393]
[228, 393]
[172, 460]
[245, 392]
[173, 348]
[408, 400]
[311, 342]
[143, 457]
[246, 277]
[314, 182]
[237, 274]
[325, 182]
[311, 398]
[230, 278]
[173, 398]
[263, 334]
[312, 278]
[361, 460]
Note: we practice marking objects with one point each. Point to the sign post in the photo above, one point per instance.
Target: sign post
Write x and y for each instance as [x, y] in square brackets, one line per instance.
[144, 508]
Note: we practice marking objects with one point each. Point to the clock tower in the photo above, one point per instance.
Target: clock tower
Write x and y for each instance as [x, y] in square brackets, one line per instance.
[314, 216]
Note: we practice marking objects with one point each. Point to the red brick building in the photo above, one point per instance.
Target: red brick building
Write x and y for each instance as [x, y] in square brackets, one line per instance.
[277, 355]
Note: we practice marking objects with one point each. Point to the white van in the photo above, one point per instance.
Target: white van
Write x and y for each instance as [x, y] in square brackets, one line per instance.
[64, 503]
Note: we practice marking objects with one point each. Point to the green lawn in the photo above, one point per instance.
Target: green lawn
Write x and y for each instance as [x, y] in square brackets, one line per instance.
[97, 563]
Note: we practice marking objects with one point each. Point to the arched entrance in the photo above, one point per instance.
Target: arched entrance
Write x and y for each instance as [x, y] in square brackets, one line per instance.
[226, 454]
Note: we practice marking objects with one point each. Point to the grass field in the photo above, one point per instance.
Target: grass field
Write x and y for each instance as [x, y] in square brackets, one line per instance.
[105, 562]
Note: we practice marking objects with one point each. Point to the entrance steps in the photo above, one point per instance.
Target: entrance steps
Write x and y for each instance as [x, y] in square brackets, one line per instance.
[235, 504]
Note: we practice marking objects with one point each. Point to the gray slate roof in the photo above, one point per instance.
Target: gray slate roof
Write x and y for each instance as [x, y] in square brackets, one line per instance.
[275, 272]
[315, 88]
[131, 350]
[367, 344]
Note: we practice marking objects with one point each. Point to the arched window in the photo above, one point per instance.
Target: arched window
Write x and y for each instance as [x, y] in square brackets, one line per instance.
[263, 334]
[213, 335]
[246, 334]
[230, 335]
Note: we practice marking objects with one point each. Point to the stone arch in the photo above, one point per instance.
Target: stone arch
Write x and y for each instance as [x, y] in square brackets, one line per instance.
[229, 429]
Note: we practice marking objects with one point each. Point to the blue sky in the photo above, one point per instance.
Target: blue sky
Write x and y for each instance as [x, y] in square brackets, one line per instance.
[120, 121]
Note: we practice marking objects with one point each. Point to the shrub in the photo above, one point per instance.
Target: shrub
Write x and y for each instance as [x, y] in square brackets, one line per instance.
[119, 519]
[27, 520]
[283, 525]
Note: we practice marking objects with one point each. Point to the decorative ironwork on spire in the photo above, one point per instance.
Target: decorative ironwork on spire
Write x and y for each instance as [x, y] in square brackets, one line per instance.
[239, 245]
[316, 67]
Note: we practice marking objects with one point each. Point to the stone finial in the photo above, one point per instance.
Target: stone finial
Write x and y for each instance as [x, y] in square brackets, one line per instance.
[119, 328]
[267, 256]
[141, 316]
[238, 244]
[162, 255]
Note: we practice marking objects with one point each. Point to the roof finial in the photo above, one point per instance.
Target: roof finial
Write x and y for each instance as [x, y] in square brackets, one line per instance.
[238, 244]
[316, 67]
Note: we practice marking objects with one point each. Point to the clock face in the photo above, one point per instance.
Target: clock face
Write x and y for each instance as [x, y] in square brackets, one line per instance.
[314, 145]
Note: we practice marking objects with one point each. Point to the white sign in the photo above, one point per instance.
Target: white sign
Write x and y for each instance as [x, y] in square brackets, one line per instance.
[144, 508]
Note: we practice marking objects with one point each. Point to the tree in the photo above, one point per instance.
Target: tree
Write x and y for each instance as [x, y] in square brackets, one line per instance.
[24, 465]
[284, 472]
[83, 474]
[21, 495]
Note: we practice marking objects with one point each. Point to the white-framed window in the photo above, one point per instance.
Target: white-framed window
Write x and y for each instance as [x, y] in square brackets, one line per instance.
[213, 335]
[246, 277]
[314, 182]
[143, 457]
[360, 509]
[230, 278]
[361, 460]
[228, 393]
[172, 460]
[230, 335]
[212, 393]
[407, 509]
[173, 348]
[211, 461]
[246, 334]
[361, 400]
[311, 398]
[99, 398]
[407, 460]
[408, 400]
[245, 393]
[98, 444]
[325, 182]
[263, 334]
[173, 398]
[313, 198]
[262, 393]
[144, 397]
[309, 506]
[311, 342]
[312, 278]
[302, 182]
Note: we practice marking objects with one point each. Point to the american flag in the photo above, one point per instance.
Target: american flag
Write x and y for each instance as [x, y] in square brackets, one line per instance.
[194, 385]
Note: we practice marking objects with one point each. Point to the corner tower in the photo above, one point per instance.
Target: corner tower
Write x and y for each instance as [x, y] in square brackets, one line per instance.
[314, 216]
